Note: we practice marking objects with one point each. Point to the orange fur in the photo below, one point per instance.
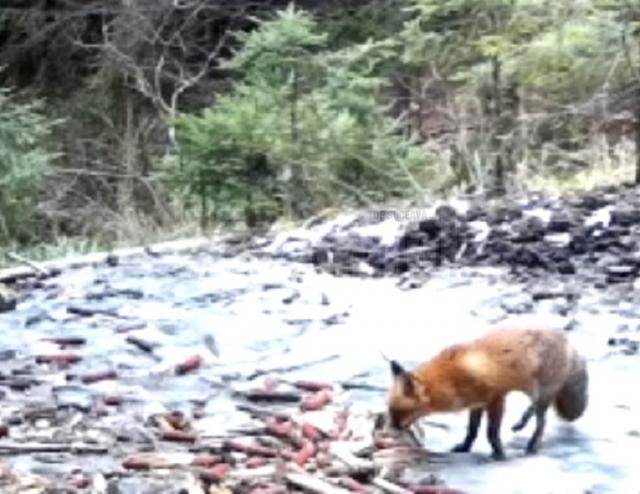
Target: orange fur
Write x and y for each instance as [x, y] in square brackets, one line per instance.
[477, 376]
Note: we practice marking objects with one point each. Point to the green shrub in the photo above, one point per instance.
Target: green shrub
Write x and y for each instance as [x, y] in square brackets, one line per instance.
[24, 158]
[301, 129]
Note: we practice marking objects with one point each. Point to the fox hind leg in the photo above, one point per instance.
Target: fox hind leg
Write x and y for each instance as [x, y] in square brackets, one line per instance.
[540, 412]
[524, 420]
[475, 417]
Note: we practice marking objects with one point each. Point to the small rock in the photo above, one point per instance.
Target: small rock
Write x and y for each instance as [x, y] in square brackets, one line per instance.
[291, 297]
[560, 223]
[525, 256]
[543, 215]
[480, 230]
[413, 238]
[565, 268]
[8, 298]
[619, 273]
[78, 397]
[625, 217]
[518, 303]
[600, 217]
[321, 255]
[505, 214]
[530, 229]
[431, 227]
[621, 270]
[579, 244]
[559, 240]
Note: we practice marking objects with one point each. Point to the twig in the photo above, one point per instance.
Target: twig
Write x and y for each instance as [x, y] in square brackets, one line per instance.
[260, 412]
[84, 311]
[33, 265]
[389, 487]
[290, 368]
[313, 484]
[362, 386]
[99, 258]
[358, 466]
[270, 396]
[26, 448]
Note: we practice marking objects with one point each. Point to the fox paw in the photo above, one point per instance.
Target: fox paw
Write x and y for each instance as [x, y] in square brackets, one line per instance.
[518, 426]
[461, 448]
[531, 449]
[498, 455]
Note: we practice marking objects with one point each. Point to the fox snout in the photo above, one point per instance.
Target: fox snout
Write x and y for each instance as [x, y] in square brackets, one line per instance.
[402, 419]
[396, 420]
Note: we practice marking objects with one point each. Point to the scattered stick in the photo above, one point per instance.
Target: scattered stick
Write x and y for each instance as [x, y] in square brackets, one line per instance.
[314, 484]
[316, 401]
[66, 340]
[84, 311]
[257, 472]
[29, 448]
[143, 345]
[313, 386]
[33, 265]
[291, 368]
[132, 326]
[261, 412]
[356, 465]
[389, 487]
[65, 359]
[270, 396]
[188, 365]
[362, 386]
[178, 436]
[99, 376]
[100, 258]
[249, 449]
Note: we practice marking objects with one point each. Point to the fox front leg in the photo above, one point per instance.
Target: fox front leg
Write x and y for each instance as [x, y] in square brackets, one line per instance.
[495, 411]
[475, 417]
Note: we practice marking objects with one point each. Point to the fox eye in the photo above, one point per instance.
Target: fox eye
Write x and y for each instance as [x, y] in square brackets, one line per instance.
[408, 386]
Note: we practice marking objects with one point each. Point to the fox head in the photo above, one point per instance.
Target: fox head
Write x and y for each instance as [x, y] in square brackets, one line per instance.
[408, 399]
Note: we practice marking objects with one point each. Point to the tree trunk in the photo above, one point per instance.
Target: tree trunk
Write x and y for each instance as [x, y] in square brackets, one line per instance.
[637, 134]
[496, 131]
[129, 153]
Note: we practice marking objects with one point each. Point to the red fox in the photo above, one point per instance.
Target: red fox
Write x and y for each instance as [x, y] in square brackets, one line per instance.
[477, 376]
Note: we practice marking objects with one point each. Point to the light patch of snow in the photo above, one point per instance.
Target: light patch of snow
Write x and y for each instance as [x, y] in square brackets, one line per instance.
[558, 239]
[481, 230]
[543, 214]
[600, 217]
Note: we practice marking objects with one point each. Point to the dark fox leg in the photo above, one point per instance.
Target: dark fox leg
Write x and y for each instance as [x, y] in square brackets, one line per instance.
[495, 410]
[524, 420]
[534, 442]
[475, 417]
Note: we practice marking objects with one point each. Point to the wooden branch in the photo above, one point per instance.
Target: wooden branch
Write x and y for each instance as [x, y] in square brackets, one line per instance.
[278, 370]
[313, 484]
[33, 265]
[96, 258]
[27, 448]
[389, 487]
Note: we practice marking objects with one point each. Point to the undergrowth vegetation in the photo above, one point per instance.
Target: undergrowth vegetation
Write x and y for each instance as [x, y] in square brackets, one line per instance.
[161, 120]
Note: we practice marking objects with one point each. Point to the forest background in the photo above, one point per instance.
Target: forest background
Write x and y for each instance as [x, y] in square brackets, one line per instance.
[124, 121]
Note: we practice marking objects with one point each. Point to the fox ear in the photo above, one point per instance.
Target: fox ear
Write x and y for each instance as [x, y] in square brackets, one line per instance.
[396, 369]
[404, 377]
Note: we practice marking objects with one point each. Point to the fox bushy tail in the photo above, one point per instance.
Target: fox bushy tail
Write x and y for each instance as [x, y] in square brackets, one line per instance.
[572, 400]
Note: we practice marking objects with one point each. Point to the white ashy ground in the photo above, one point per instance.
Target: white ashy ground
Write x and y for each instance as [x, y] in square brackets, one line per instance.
[282, 325]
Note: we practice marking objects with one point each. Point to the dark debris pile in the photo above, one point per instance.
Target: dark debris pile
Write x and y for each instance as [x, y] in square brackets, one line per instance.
[538, 235]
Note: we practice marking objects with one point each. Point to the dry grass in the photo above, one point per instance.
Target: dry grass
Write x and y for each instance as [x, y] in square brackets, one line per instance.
[605, 167]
